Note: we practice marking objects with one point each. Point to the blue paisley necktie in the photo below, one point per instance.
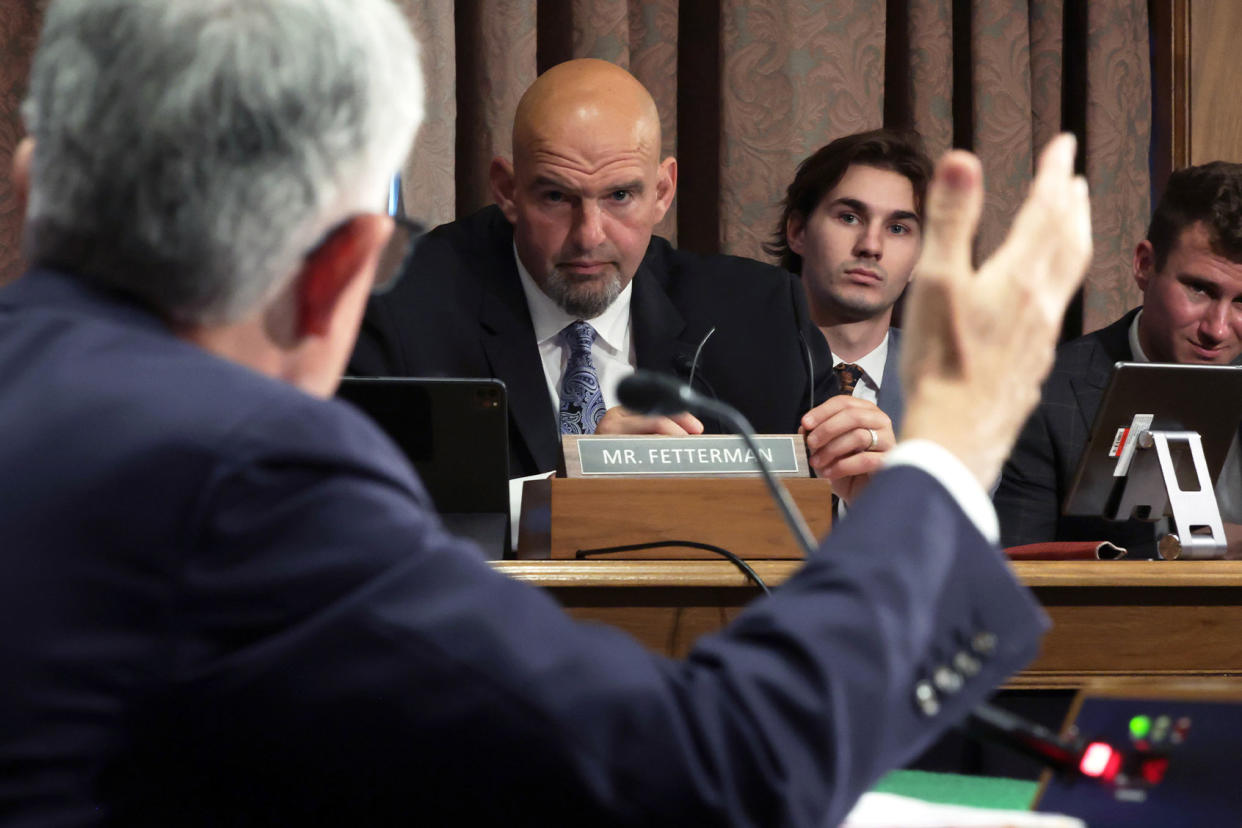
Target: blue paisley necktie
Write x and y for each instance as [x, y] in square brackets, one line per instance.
[582, 402]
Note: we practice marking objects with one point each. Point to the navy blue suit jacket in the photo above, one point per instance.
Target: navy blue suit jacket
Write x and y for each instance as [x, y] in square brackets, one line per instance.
[460, 311]
[225, 602]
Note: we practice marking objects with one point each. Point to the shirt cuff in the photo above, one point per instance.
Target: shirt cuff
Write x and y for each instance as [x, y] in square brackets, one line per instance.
[957, 480]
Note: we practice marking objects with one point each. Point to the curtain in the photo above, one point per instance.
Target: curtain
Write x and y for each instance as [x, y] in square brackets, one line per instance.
[745, 90]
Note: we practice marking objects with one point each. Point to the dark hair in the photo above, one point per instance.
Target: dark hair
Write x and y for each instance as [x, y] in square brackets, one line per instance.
[900, 151]
[1210, 193]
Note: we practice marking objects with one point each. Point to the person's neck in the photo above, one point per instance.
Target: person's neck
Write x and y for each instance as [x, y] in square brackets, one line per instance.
[244, 342]
[851, 341]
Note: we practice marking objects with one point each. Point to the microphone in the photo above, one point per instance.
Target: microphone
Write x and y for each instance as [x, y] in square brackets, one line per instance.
[647, 392]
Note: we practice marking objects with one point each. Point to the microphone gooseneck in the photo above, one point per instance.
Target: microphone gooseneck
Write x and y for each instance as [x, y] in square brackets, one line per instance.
[698, 352]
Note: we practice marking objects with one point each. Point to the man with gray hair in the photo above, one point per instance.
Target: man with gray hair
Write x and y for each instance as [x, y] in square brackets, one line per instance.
[225, 599]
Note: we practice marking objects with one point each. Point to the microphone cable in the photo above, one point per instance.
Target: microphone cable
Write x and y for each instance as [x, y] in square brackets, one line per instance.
[732, 557]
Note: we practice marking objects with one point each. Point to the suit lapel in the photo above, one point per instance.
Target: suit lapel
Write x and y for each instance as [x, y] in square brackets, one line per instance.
[658, 328]
[1088, 380]
[508, 339]
[889, 399]
[1089, 385]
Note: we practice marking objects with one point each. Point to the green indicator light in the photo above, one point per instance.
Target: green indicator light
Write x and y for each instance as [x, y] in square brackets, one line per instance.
[1140, 726]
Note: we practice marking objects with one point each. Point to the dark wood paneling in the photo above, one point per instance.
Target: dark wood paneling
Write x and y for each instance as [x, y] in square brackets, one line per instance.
[699, 73]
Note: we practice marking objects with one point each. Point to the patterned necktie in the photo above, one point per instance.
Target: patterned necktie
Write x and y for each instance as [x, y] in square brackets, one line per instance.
[582, 402]
[849, 374]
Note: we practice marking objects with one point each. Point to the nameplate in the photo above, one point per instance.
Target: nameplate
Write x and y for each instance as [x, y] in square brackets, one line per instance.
[700, 456]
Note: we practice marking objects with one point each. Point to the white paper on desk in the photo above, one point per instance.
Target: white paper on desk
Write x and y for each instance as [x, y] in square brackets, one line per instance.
[515, 502]
[885, 810]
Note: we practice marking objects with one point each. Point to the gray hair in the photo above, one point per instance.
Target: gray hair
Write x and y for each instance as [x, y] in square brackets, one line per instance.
[191, 152]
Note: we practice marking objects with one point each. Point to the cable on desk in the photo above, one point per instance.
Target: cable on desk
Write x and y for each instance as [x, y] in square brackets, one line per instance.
[724, 553]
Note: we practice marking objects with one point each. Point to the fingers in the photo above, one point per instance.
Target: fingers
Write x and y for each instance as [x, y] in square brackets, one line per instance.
[851, 427]
[863, 464]
[620, 420]
[954, 202]
[689, 423]
[832, 408]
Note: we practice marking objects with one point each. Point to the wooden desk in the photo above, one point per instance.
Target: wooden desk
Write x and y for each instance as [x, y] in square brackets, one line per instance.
[1166, 619]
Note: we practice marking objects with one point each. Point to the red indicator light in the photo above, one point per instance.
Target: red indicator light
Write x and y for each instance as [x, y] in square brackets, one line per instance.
[1099, 760]
[1152, 770]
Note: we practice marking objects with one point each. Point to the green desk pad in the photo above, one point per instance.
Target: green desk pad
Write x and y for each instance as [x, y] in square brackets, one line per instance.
[956, 789]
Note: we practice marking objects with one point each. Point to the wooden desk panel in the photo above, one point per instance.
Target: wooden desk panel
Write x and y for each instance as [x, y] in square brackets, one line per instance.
[1166, 619]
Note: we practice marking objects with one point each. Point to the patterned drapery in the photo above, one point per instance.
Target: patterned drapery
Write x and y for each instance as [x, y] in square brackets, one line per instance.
[747, 89]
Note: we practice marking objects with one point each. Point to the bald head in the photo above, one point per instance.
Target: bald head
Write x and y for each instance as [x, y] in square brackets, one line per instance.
[581, 97]
[586, 186]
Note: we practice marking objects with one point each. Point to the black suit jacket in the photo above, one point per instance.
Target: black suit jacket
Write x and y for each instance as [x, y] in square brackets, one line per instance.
[460, 311]
[1038, 474]
[224, 602]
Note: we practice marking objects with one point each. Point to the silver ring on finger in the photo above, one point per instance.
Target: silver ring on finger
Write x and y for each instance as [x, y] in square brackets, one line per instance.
[875, 439]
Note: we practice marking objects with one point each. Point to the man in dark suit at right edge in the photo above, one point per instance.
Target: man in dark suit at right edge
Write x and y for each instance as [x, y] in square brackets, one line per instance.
[1189, 269]
[225, 598]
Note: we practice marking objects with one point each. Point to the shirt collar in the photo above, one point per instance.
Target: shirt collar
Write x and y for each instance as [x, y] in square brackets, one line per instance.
[872, 364]
[1136, 350]
[549, 318]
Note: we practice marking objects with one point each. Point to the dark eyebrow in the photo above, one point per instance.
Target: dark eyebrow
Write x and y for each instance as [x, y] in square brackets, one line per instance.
[636, 185]
[854, 204]
[1196, 281]
[859, 207]
[545, 181]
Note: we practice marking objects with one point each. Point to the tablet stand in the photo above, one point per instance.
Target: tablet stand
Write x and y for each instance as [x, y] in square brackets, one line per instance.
[1152, 487]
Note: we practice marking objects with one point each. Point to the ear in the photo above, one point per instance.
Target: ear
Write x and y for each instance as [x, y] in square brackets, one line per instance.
[1144, 264]
[795, 232]
[504, 186]
[343, 264]
[666, 186]
[22, 156]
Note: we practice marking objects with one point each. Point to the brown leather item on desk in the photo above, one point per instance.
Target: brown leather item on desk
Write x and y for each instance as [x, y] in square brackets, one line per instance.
[1066, 551]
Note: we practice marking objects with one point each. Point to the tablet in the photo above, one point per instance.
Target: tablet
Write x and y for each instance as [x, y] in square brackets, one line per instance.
[455, 433]
[1165, 397]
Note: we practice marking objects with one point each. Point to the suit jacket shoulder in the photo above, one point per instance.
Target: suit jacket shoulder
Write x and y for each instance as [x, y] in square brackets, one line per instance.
[459, 311]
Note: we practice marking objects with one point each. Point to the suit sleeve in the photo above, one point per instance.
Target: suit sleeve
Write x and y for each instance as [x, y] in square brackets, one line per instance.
[341, 652]
[1027, 499]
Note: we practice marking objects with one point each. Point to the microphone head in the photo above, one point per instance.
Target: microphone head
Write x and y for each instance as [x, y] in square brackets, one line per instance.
[647, 392]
